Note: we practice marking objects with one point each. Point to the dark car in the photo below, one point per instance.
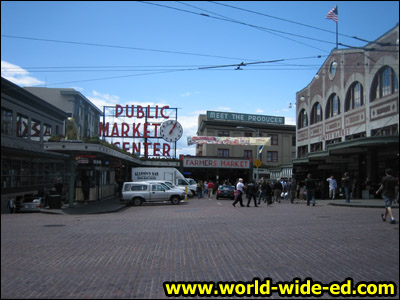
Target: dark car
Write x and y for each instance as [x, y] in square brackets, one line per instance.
[226, 191]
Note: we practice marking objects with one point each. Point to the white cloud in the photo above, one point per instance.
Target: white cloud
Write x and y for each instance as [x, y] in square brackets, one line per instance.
[101, 100]
[18, 75]
[225, 109]
[259, 111]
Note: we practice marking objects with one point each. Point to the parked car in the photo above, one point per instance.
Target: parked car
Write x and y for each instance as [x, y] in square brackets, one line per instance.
[226, 191]
[138, 192]
[29, 204]
[170, 185]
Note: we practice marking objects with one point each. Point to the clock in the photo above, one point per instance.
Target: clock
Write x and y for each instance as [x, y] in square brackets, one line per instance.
[171, 130]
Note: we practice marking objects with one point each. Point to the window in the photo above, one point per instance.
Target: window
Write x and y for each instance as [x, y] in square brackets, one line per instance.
[385, 83]
[137, 188]
[35, 130]
[274, 139]
[47, 132]
[303, 119]
[223, 133]
[6, 121]
[272, 156]
[22, 126]
[248, 153]
[158, 187]
[354, 97]
[332, 69]
[316, 147]
[223, 153]
[332, 107]
[302, 151]
[316, 113]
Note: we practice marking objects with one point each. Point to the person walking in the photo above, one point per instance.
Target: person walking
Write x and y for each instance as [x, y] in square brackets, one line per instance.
[346, 185]
[292, 190]
[251, 192]
[332, 187]
[11, 205]
[310, 187]
[239, 193]
[277, 189]
[262, 187]
[199, 189]
[388, 187]
[210, 189]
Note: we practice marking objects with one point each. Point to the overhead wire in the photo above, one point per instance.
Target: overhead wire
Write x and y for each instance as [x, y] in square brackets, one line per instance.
[269, 30]
[120, 47]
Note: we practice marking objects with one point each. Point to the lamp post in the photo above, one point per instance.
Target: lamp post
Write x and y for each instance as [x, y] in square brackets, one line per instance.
[258, 135]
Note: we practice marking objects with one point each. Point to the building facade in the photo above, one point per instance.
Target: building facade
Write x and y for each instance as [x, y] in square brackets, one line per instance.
[81, 109]
[27, 122]
[348, 116]
[274, 160]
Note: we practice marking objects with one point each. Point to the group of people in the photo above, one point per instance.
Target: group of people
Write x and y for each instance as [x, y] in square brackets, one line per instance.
[265, 191]
[205, 189]
[388, 188]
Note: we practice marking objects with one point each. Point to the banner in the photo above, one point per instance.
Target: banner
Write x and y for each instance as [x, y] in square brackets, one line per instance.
[222, 140]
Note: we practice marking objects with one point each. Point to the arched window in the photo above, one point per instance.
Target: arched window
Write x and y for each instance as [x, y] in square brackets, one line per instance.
[385, 83]
[354, 96]
[303, 119]
[316, 113]
[332, 106]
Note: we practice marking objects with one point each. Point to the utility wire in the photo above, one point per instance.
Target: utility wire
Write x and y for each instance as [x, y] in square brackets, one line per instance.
[120, 47]
[238, 22]
[301, 24]
[259, 28]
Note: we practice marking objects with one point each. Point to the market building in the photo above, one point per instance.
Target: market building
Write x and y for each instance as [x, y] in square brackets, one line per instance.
[27, 122]
[229, 161]
[348, 116]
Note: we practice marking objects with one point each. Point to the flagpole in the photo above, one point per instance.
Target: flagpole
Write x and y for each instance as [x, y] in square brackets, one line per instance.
[337, 28]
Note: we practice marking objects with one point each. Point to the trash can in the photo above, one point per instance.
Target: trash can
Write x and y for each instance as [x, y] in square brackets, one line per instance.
[54, 201]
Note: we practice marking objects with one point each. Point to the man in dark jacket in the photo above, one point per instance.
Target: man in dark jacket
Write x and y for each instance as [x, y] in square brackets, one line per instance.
[388, 187]
[251, 192]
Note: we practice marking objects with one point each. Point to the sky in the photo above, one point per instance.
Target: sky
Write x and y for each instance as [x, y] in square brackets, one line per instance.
[183, 54]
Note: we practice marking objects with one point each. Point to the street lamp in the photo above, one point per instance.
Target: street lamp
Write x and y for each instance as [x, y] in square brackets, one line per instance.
[259, 151]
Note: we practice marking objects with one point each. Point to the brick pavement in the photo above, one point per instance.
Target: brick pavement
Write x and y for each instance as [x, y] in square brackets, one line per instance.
[129, 254]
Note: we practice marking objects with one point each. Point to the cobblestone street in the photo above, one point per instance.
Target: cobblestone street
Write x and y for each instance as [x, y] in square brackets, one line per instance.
[130, 253]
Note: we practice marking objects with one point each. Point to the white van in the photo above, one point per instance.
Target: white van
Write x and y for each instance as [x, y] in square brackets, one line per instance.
[166, 174]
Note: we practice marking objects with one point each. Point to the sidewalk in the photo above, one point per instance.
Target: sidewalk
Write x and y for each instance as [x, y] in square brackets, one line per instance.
[94, 207]
[115, 205]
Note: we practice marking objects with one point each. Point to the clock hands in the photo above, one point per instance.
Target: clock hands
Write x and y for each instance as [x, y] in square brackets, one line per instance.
[173, 128]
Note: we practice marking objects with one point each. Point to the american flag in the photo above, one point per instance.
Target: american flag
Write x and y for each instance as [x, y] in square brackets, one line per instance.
[333, 14]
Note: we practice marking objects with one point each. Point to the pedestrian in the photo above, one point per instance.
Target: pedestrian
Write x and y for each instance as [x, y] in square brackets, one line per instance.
[310, 187]
[277, 190]
[210, 189]
[11, 205]
[292, 189]
[200, 189]
[251, 192]
[58, 186]
[86, 189]
[388, 186]
[346, 183]
[332, 187]
[262, 187]
[239, 193]
[205, 191]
